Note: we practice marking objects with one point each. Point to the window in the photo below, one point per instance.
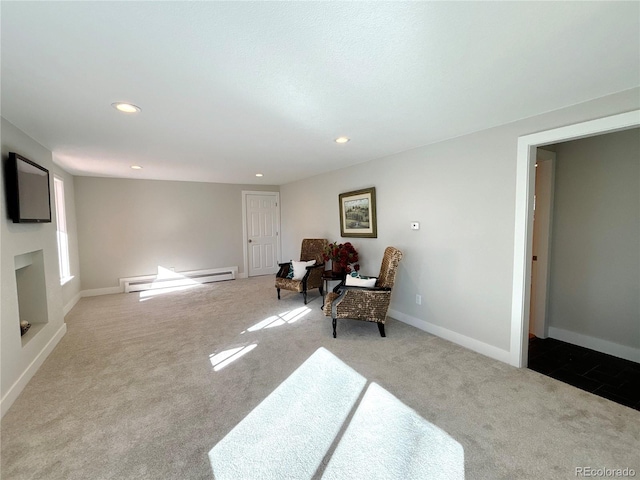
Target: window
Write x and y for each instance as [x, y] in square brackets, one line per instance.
[63, 238]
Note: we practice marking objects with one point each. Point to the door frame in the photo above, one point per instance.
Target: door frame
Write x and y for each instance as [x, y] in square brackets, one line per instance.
[544, 183]
[523, 234]
[245, 233]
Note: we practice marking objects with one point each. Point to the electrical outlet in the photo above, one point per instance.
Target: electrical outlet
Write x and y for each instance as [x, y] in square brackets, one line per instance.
[419, 299]
[415, 225]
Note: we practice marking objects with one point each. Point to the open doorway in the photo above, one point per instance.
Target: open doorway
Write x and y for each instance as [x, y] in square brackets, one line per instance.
[588, 332]
[523, 235]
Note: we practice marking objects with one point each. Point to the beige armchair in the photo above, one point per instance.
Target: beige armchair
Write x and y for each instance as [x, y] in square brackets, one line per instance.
[365, 303]
[312, 249]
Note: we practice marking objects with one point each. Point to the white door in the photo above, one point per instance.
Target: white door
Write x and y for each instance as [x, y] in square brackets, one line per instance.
[542, 215]
[262, 221]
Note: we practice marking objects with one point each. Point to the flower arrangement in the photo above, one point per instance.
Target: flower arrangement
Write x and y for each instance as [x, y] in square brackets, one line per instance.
[343, 256]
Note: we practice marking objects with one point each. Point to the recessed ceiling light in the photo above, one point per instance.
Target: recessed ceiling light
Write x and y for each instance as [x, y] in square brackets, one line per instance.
[259, 175]
[136, 167]
[126, 107]
[342, 139]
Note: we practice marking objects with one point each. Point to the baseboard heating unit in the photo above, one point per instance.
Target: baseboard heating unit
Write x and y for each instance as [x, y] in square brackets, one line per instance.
[168, 278]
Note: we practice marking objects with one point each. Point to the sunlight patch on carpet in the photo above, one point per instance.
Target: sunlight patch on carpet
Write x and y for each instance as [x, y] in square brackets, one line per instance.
[155, 291]
[291, 432]
[388, 440]
[224, 358]
[280, 319]
[288, 434]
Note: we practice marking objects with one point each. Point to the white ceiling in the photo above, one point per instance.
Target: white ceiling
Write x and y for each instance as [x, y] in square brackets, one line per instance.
[229, 89]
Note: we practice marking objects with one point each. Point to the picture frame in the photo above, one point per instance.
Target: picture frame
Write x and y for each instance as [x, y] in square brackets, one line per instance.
[358, 213]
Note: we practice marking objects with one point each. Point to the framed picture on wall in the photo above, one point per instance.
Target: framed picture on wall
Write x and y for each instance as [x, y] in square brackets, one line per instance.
[358, 213]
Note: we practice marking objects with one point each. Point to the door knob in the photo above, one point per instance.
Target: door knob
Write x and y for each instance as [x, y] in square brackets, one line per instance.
[250, 240]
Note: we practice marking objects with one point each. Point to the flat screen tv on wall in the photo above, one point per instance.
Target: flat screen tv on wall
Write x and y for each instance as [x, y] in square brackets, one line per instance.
[29, 195]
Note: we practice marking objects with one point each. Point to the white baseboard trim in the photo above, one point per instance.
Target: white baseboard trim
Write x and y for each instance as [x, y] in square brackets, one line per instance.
[72, 303]
[462, 340]
[173, 279]
[23, 380]
[598, 344]
[94, 292]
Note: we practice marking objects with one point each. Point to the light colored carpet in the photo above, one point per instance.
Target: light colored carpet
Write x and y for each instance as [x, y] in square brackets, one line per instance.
[385, 439]
[290, 433]
[146, 389]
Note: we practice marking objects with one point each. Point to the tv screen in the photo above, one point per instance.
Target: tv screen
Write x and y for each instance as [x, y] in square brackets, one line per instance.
[30, 193]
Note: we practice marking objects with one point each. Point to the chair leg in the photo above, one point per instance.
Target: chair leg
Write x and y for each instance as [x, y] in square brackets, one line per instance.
[334, 328]
[321, 291]
[278, 293]
[304, 294]
[381, 328]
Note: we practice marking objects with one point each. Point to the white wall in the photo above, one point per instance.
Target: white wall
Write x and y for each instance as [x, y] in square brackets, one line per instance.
[18, 363]
[462, 191]
[595, 256]
[130, 227]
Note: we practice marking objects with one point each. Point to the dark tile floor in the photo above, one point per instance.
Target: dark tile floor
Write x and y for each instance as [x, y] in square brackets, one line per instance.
[601, 374]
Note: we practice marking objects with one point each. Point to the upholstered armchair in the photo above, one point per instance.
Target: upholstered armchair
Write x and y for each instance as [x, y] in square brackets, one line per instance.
[365, 303]
[303, 277]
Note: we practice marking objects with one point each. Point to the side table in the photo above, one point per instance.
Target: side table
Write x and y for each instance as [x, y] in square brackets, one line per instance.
[329, 276]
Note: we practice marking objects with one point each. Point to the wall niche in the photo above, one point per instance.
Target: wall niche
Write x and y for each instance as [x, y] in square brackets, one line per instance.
[32, 293]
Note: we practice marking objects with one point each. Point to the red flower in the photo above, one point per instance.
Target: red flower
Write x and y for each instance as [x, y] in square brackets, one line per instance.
[343, 254]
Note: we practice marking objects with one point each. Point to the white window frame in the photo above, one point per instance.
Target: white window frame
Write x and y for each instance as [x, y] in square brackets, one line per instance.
[61, 230]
